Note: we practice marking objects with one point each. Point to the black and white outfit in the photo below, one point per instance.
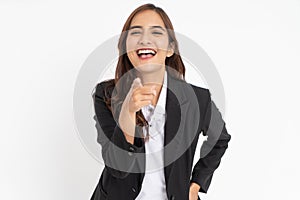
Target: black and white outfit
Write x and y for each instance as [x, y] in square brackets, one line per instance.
[165, 169]
[154, 186]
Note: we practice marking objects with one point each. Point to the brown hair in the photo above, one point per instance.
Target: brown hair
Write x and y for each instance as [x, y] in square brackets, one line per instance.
[124, 65]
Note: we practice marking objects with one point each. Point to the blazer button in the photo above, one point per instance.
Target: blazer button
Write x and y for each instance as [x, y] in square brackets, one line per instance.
[131, 150]
[133, 190]
[172, 197]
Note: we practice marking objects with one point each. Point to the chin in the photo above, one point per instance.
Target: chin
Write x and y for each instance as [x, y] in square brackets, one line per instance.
[148, 67]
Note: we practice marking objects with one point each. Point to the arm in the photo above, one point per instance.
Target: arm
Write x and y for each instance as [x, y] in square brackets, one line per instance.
[118, 154]
[213, 148]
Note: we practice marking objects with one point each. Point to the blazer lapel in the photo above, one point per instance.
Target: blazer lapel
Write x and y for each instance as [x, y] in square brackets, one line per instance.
[176, 107]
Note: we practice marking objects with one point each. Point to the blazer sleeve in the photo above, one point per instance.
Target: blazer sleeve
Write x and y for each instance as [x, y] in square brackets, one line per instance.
[213, 148]
[119, 155]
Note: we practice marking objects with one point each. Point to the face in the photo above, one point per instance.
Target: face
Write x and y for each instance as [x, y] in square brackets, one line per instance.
[147, 43]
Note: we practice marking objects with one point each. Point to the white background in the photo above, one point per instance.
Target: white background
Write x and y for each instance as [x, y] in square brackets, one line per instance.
[43, 44]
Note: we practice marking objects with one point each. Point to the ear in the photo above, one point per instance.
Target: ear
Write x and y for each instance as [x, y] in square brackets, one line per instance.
[171, 48]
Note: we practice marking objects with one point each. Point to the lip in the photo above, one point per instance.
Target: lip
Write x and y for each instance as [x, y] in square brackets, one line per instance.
[145, 48]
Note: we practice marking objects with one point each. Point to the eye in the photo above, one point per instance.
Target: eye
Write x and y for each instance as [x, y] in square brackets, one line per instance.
[157, 33]
[135, 32]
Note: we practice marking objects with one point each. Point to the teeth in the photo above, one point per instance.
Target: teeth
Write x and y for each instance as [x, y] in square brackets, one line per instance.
[146, 51]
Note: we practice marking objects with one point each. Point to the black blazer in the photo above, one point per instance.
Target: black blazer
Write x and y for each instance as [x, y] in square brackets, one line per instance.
[189, 112]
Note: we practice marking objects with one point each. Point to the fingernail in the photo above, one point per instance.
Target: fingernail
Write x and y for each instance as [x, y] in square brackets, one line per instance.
[138, 79]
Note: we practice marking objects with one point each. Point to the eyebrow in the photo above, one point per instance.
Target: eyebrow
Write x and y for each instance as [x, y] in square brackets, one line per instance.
[152, 27]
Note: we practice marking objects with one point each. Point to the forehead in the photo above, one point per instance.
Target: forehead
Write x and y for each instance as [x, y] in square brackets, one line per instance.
[147, 18]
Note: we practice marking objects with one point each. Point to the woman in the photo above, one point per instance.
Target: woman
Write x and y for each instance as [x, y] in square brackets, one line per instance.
[149, 109]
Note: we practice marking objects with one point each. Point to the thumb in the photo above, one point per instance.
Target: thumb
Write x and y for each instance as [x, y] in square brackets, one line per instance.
[136, 83]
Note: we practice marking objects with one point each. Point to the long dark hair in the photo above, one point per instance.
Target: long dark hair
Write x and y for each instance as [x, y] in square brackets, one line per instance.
[124, 65]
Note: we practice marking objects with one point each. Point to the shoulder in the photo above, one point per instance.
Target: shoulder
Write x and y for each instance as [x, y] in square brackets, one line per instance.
[105, 83]
[203, 94]
[104, 87]
[201, 91]
[198, 90]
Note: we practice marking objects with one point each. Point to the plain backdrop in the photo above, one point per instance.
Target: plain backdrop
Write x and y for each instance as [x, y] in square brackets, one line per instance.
[254, 45]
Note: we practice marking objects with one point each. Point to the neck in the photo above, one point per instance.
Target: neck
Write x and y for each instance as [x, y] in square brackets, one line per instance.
[156, 77]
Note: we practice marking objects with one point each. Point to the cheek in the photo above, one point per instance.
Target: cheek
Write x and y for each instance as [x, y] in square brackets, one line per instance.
[162, 52]
[132, 57]
[130, 50]
[162, 44]
[130, 44]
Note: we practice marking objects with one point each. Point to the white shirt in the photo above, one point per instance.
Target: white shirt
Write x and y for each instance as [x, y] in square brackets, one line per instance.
[154, 186]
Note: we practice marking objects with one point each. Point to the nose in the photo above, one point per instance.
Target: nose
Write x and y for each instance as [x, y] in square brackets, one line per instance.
[145, 39]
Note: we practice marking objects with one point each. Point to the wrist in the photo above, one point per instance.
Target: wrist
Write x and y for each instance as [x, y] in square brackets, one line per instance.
[194, 187]
[129, 138]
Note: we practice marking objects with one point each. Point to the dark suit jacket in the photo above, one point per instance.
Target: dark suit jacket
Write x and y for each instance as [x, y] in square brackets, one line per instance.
[189, 112]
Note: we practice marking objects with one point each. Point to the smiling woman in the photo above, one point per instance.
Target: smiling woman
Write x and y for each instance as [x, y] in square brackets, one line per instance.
[149, 109]
[147, 40]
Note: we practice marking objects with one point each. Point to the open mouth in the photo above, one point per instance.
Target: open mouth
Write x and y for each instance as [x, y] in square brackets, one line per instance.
[146, 53]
